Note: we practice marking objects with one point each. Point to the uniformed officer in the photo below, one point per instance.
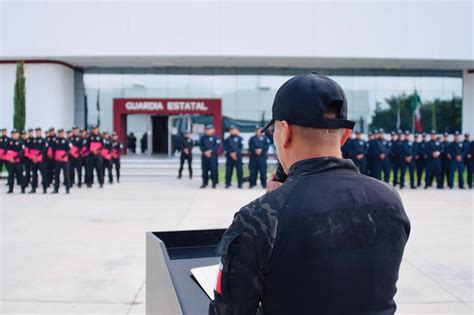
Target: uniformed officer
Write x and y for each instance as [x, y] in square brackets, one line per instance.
[381, 159]
[84, 154]
[106, 153]
[185, 146]
[3, 147]
[94, 145]
[233, 146]
[28, 141]
[75, 162]
[395, 144]
[468, 159]
[433, 161]
[49, 159]
[359, 153]
[209, 143]
[116, 151]
[470, 155]
[421, 159]
[61, 150]
[258, 148]
[346, 149]
[315, 244]
[407, 154]
[444, 159]
[370, 153]
[13, 156]
[456, 152]
[37, 153]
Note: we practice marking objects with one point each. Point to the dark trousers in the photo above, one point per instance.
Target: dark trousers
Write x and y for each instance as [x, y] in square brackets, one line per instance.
[75, 166]
[107, 165]
[209, 165]
[420, 169]
[182, 159]
[456, 166]
[444, 170]
[379, 166]
[2, 162]
[258, 165]
[433, 169]
[116, 165]
[27, 168]
[469, 166]
[35, 169]
[361, 165]
[94, 162]
[15, 170]
[411, 169]
[396, 162]
[230, 164]
[84, 168]
[64, 166]
[49, 170]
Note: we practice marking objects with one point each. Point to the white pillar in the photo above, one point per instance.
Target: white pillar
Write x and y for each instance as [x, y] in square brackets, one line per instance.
[468, 102]
[49, 95]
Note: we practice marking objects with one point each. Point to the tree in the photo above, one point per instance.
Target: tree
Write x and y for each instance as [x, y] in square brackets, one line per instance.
[19, 110]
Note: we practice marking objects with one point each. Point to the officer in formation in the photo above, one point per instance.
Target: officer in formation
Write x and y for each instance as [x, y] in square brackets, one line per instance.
[357, 149]
[233, 146]
[425, 161]
[258, 154]
[27, 156]
[185, 146]
[209, 144]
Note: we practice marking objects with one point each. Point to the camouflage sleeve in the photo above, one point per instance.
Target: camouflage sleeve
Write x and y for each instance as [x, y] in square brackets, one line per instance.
[245, 248]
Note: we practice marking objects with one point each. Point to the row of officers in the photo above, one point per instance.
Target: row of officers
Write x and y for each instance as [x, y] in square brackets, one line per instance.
[209, 145]
[429, 157]
[78, 154]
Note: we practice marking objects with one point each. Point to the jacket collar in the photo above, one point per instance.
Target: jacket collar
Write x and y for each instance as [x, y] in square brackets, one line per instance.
[319, 165]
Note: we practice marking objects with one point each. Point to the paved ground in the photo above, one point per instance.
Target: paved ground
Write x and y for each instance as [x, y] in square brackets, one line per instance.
[84, 252]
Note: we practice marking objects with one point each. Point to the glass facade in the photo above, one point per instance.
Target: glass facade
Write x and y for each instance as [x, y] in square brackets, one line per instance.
[247, 93]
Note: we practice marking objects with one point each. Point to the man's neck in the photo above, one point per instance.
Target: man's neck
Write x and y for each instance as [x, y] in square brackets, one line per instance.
[314, 153]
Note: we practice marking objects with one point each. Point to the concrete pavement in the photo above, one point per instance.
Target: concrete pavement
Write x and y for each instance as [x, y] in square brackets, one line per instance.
[84, 253]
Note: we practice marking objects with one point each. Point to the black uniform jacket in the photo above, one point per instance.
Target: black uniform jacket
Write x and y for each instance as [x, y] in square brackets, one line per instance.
[328, 241]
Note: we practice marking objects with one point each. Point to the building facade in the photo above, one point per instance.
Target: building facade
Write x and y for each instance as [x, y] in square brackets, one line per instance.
[81, 57]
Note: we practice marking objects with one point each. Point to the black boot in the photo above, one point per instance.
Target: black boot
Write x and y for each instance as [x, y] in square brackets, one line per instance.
[54, 191]
[32, 191]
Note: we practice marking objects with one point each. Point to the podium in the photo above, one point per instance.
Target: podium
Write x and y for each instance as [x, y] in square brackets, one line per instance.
[170, 287]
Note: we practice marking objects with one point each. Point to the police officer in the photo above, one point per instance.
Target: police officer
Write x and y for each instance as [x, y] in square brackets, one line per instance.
[407, 153]
[84, 153]
[316, 243]
[258, 148]
[13, 157]
[185, 145]
[359, 153]
[346, 149]
[444, 159]
[233, 146]
[116, 151]
[395, 144]
[381, 159]
[61, 150]
[3, 147]
[209, 143]
[468, 159]
[49, 159]
[433, 161]
[94, 145]
[456, 152]
[370, 154]
[421, 159]
[106, 153]
[28, 141]
[75, 162]
[37, 153]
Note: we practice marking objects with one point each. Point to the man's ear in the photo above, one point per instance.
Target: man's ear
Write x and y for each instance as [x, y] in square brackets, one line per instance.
[286, 133]
[345, 136]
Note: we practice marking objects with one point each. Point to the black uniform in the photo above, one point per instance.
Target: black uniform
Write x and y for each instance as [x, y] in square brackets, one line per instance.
[421, 161]
[468, 158]
[3, 148]
[341, 234]
[185, 143]
[444, 162]
[380, 151]
[360, 147]
[94, 160]
[234, 144]
[37, 156]
[209, 164]
[116, 149]
[75, 162]
[61, 149]
[470, 151]
[15, 169]
[26, 160]
[396, 158]
[107, 158]
[258, 163]
[433, 164]
[456, 153]
[49, 160]
[407, 154]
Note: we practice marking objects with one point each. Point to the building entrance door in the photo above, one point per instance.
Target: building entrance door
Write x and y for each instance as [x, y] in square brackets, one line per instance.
[159, 134]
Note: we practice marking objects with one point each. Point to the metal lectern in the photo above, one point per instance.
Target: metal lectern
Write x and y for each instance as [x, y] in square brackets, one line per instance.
[170, 287]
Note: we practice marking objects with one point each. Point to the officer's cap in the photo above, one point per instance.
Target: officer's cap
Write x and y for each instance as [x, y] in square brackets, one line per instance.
[303, 100]
[114, 133]
[51, 129]
[258, 127]
[94, 127]
[381, 130]
[185, 131]
[445, 134]
[466, 134]
[60, 130]
[370, 133]
[433, 132]
[456, 133]
[392, 133]
[69, 131]
[105, 133]
[4, 129]
[30, 130]
[232, 127]
[74, 127]
[424, 134]
[14, 131]
[38, 129]
[23, 132]
[209, 126]
[83, 130]
[399, 131]
[358, 132]
[407, 132]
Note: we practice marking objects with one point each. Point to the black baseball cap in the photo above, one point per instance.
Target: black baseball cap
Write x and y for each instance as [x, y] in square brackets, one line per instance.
[303, 100]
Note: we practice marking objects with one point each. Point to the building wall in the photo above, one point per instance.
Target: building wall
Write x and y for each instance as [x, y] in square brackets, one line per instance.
[468, 103]
[49, 95]
[359, 32]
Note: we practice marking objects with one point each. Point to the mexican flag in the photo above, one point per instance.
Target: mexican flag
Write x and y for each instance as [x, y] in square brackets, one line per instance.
[416, 108]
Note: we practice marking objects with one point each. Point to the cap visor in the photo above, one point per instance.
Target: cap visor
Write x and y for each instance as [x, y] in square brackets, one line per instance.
[271, 122]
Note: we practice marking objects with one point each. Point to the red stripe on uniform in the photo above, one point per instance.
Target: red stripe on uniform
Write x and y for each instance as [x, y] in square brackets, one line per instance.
[218, 284]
